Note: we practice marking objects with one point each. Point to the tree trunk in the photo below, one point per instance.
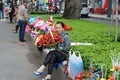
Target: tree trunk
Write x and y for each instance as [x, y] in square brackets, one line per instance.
[72, 9]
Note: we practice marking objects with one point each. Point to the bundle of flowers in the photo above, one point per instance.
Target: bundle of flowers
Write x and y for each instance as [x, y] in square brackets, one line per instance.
[32, 20]
[6, 10]
[28, 29]
[84, 75]
[35, 21]
[50, 41]
[40, 24]
[37, 39]
[115, 71]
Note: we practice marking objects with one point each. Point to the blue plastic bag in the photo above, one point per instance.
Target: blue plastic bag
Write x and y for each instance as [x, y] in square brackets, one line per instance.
[75, 64]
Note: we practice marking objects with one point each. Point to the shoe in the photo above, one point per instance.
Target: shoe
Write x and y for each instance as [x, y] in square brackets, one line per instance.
[35, 73]
[22, 40]
[15, 31]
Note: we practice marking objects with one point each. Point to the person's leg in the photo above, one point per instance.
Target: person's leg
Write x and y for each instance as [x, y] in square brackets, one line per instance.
[11, 17]
[2, 14]
[16, 27]
[50, 67]
[46, 61]
[40, 70]
[22, 31]
[56, 57]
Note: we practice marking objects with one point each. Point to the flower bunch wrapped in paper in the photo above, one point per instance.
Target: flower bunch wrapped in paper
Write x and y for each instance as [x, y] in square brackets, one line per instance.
[32, 20]
[39, 22]
[6, 10]
[84, 75]
[28, 29]
[41, 25]
[50, 41]
[35, 22]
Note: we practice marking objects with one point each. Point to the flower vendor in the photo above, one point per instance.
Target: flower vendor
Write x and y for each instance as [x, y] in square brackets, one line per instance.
[58, 55]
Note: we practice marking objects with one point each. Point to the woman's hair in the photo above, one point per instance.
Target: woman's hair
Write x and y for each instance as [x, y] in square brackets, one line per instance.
[61, 23]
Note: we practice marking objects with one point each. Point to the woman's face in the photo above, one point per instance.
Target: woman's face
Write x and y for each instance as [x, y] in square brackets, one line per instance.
[59, 28]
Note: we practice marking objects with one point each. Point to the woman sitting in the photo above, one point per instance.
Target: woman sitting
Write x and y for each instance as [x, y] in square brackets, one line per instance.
[58, 55]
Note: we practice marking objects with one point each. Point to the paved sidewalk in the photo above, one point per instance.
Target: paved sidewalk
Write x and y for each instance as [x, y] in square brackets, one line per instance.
[15, 57]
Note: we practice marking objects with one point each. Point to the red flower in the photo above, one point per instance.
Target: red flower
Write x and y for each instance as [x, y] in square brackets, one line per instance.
[111, 78]
[48, 41]
[116, 68]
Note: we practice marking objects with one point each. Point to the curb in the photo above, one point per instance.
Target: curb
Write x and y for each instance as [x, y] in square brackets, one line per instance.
[100, 18]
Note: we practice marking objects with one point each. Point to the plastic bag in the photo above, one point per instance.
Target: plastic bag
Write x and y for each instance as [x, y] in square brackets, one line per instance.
[75, 64]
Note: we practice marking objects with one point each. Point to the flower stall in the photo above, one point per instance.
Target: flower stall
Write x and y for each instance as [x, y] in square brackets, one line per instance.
[43, 32]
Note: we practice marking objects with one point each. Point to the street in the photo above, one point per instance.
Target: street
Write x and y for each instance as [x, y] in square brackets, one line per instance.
[18, 60]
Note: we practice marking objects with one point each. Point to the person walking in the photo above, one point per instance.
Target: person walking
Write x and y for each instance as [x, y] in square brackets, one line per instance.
[15, 29]
[11, 11]
[22, 20]
[1, 10]
[58, 55]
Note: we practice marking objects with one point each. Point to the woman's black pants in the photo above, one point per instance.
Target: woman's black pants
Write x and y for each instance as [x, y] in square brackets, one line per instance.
[53, 57]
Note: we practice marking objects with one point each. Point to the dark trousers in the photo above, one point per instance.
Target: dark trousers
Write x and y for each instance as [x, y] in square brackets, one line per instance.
[1, 14]
[16, 27]
[22, 25]
[11, 17]
[53, 57]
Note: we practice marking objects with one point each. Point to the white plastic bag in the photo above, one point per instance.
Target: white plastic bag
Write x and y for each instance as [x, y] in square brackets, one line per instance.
[75, 64]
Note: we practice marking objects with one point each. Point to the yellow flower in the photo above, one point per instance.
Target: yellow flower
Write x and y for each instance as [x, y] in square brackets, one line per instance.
[112, 70]
[102, 79]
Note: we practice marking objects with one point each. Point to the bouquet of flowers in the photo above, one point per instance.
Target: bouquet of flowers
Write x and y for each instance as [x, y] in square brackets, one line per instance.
[6, 10]
[50, 41]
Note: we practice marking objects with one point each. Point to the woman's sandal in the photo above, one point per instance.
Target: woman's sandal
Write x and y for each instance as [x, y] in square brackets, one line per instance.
[35, 73]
